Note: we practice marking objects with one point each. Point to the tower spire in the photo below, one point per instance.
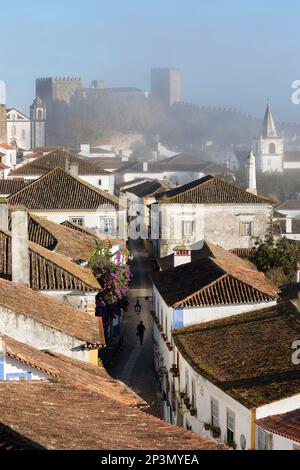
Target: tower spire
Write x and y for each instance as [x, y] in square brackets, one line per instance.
[268, 130]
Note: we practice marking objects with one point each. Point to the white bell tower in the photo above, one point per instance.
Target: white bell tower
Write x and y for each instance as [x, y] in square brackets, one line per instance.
[38, 123]
[269, 147]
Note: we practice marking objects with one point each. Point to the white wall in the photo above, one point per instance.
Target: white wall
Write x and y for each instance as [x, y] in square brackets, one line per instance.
[12, 366]
[194, 316]
[220, 224]
[39, 335]
[283, 443]
[91, 218]
[205, 390]
[20, 132]
[279, 407]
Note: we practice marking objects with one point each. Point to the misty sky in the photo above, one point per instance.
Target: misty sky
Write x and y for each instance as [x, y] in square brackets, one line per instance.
[232, 53]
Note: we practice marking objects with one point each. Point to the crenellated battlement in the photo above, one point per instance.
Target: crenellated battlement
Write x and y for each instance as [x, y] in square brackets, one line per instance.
[59, 79]
[57, 88]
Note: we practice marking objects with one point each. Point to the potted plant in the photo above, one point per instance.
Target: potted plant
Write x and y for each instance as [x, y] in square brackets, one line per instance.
[193, 411]
[207, 426]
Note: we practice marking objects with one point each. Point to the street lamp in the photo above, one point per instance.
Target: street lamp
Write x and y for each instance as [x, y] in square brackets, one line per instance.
[137, 307]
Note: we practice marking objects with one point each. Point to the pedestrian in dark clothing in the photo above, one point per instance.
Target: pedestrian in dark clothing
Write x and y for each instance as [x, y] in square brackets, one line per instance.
[140, 330]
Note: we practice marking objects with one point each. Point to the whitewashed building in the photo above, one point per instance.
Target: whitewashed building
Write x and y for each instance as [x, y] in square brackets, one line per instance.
[279, 431]
[18, 129]
[79, 167]
[216, 285]
[60, 196]
[229, 375]
[8, 159]
[46, 323]
[208, 209]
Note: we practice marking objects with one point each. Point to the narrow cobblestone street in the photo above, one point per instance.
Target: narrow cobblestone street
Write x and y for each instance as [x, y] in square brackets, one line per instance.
[134, 363]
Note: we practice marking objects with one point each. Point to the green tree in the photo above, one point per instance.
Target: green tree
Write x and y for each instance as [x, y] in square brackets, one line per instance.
[277, 259]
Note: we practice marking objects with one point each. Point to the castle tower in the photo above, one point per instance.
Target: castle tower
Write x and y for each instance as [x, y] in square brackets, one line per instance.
[38, 122]
[269, 147]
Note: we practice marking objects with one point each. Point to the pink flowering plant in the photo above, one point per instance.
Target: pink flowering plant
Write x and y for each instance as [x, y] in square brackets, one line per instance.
[114, 278]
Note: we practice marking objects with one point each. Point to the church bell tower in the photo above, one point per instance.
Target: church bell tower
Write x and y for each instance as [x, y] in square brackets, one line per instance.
[269, 146]
[38, 123]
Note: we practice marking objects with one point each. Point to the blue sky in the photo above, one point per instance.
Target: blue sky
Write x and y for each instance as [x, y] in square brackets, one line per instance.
[233, 53]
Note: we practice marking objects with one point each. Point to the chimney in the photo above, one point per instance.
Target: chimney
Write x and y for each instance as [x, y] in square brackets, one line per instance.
[182, 255]
[3, 214]
[19, 245]
[74, 169]
[86, 148]
[288, 224]
[145, 166]
[251, 165]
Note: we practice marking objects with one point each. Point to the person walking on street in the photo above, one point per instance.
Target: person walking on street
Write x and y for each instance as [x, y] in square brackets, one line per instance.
[140, 330]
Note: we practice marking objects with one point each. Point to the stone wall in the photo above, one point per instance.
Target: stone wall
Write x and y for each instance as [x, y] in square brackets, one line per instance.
[219, 224]
[61, 89]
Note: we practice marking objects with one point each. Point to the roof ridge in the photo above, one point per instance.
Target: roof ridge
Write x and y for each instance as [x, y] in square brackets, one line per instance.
[57, 168]
[244, 268]
[49, 254]
[209, 179]
[196, 186]
[202, 288]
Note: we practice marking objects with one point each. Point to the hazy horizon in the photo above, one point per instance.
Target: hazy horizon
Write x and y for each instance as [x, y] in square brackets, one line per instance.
[231, 54]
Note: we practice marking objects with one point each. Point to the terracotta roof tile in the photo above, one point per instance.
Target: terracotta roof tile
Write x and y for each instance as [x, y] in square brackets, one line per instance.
[93, 423]
[210, 190]
[57, 157]
[48, 270]
[209, 250]
[8, 187]
[285, 425]
[51, 312]
[67, 369]
[94, 234]
[58, 190]
[61, 239]
[254, 365]
[210, 281]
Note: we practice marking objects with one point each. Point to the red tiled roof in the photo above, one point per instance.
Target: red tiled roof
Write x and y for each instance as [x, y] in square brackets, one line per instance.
[57, 416]
[285, 425]
[66, 369]
[3, 167]
[210, 190]
[55, 314]
[57, 157]
[6, 147]
[58, 190]
[248, 356]
[211, 281]
[48, 270]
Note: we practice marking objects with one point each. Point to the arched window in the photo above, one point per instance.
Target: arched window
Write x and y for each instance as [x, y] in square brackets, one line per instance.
[40, 114]
[272, 148]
